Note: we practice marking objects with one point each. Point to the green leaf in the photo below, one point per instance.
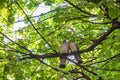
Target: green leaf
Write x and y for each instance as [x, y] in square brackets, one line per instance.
[6, 69]
[114, 12]
[119, 19]
[24, 50]
[100, 15]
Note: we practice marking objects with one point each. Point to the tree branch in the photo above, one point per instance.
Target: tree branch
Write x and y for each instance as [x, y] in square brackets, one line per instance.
[101, 39]
[96, 43]
[75, 71]
[95, 74]
[106, 59]
[79, 8]
[80, 18]
[51, 66]
[15, 42]
[114, 70]
[35, 27]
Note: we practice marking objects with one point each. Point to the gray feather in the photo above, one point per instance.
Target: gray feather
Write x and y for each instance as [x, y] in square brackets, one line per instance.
[64, 49]
[74, 48]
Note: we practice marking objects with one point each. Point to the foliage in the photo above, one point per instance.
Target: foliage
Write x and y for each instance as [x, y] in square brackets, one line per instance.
[32, 52]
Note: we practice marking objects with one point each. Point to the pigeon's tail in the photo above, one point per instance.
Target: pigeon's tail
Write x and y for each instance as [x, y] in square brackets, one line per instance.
[62, 62]
[78, 59]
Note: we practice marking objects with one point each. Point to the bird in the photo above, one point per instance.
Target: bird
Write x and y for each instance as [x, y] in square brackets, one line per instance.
[74, 48]
[64, 49]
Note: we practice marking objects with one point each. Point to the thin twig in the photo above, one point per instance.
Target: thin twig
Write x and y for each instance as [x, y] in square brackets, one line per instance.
[79, 8]
[15, 42]
[35, 27]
